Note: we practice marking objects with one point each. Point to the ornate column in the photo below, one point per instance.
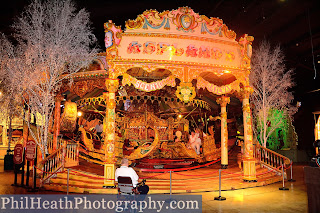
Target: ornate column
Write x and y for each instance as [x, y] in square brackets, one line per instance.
[223, 101]
[249, 166]
[109, 131]
[56, 125]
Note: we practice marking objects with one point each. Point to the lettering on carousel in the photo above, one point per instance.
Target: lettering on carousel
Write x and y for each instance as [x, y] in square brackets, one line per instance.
[191, 51]
[148, 87]
[201, 83]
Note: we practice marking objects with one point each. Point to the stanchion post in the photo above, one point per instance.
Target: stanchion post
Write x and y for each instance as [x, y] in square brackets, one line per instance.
[34, 177]
[22, 174]
[68, 182]
[170, 183]
[15, 175]
[28, 173]
[283, 187]
[291, 180]
[170, 199]
[34, 187]
[220, 198]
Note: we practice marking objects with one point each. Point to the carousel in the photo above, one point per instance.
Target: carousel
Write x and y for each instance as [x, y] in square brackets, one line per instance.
[166, 75]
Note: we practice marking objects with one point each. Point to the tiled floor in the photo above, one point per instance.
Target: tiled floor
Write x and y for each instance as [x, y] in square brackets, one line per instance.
[257, 199]
[262, 199]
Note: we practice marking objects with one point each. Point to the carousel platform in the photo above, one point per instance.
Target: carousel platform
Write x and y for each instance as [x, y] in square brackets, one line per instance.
[88, 178]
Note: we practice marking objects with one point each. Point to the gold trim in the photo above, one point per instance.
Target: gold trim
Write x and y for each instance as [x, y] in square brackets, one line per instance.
[175, 17]
[100, 99]
[161, 62]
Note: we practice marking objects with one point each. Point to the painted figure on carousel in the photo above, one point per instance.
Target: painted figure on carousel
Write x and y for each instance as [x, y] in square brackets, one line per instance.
[178, 136]
[195, 142]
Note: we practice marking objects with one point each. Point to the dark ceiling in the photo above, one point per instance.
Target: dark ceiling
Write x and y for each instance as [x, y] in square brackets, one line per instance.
[294, 24]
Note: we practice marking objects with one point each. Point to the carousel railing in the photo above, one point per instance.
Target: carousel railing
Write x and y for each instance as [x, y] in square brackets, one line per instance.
[50, 142]
[72, 154]
[66, 155]
[270, 158]
[51, 165]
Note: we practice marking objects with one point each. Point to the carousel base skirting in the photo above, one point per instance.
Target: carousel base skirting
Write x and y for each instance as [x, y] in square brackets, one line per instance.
[89, 178]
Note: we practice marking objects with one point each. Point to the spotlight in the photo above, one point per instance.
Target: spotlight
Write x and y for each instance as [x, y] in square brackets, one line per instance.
[79, 113]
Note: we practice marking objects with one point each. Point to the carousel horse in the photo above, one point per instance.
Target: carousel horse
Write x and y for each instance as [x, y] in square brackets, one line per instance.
[146, 148]
[87, 138]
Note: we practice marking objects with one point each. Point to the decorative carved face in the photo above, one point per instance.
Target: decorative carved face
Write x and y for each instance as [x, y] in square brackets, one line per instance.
[108, 39]
[186, 21]
[186, 92]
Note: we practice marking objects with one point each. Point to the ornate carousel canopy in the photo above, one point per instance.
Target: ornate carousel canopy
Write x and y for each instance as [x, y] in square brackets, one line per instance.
[187, 44]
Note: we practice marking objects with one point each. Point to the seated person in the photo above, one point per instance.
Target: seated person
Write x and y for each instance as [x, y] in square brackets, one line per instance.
[200, 135]
[99, 129]
[127, 149]
[126, 171]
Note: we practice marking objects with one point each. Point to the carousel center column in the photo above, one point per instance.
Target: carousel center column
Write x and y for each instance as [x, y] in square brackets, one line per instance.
[109, 132]
[249, 165]
[223, 101]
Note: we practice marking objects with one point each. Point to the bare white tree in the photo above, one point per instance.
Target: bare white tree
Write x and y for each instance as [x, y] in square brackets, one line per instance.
[9, 101]
[55, 40]
[271, 82]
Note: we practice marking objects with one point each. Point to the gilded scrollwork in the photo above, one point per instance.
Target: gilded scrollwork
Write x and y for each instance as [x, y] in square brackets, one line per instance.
[228, 33]
[246, 108]
[245, 43]
[223, 101]
[194, 73]
[183, 19]
[135, 24]
[149, 18]
[112, 85]
[246, 92]
[81, 88]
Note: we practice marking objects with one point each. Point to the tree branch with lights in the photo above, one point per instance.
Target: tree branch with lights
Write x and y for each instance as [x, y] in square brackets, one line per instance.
[271, 82]
[54, 41]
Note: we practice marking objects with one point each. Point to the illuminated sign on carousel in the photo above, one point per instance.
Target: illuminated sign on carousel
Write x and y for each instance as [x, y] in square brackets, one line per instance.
[148, 87]
[178, 36]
